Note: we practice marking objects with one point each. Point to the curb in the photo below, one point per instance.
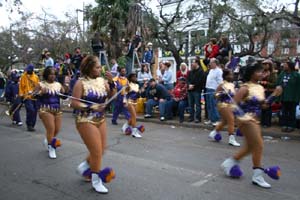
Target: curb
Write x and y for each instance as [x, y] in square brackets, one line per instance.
[269, 133]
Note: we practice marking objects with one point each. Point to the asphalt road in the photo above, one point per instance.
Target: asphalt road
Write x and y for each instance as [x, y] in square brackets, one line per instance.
[167, 163]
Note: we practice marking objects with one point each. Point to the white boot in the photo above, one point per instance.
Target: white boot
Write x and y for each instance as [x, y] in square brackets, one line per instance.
[125, 125]
[52, 153]
[135, 133]
[258, 179]
[83, 170]
[82, 167]
[45, 143]
[98, 185]
[233, 142]
[231, 168]
[215, 135]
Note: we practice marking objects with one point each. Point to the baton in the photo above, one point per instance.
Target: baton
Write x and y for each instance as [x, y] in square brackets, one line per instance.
[91, 102]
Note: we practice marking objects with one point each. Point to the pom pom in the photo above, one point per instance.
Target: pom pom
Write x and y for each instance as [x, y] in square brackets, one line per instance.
[218, 137]
[238, 133]
[141, 128]
[128, 131]
[55, 143]
[274, 172]
[235, 171]
[107, 174]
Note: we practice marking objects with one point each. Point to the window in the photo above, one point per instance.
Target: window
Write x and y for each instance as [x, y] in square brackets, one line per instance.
[271, 47]
[298, 46]
[285, 51]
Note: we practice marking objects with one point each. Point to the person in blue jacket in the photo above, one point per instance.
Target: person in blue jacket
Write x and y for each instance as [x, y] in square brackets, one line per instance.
[11, 95]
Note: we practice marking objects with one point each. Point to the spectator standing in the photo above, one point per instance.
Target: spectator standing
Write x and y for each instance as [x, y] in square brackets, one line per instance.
[76, 59]
[225, 50]
[289, 80]
[97, 46]
[195, 86]
[160, 72]
[157, 94]
[48, 60]
[211, 50]
[144, 75]
[167, 77]
[213, 80]
[115, 68]
[132, 47]
[148, 54]
[182, 72]
[268, 82]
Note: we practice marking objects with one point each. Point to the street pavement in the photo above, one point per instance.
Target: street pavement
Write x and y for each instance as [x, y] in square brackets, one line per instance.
[169, 162]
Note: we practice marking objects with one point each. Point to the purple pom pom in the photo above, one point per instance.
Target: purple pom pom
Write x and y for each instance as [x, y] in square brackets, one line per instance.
[274, 172]
[218, 137]
[87, 173]
[236, 172]
[107, 174]
[128, 131]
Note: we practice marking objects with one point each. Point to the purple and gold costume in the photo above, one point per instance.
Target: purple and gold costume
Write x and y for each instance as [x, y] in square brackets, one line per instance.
[120, 82]
[133, 93]
[224, 98]
[49, 102]
[251, 105]
[93, 90]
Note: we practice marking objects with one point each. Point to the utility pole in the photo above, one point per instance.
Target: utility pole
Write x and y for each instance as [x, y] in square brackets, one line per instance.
[11, 46]
[210, 19]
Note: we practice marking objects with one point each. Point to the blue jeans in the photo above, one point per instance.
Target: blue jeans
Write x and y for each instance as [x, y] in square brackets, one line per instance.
[169, 86]
[31, 112]
[179, 106]
[194, 98]
[161, 105]
[213, 114]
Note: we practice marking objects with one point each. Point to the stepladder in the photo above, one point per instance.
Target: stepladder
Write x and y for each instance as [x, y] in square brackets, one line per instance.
[102, 54]
[135, 57]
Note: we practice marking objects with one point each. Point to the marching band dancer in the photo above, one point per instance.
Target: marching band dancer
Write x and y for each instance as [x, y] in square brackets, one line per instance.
[250, 97]
[90, 120]
[132, 96]
[49, 110]
[224, 103]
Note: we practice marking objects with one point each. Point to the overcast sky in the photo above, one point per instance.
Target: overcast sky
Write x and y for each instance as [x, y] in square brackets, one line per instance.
[55, 7]
[59, 7]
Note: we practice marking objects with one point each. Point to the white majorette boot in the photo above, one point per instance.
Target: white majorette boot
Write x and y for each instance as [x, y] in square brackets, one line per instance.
[97, 184]
[135, 133]
[215, 135]
[233, 142]
[258, 179]
[231, 168]
[83, 170]
[126, 129]
[52, 153]
[45, 143]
